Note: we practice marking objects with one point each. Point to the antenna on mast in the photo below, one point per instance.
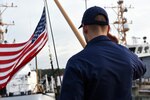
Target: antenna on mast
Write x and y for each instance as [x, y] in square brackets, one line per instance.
[121, 24]
[2, 24]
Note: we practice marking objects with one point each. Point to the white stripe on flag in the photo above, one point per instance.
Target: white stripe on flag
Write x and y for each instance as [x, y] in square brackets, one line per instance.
[12, 49]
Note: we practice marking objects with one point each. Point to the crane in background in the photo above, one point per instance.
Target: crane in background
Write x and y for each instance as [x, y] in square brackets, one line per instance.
[3, 30]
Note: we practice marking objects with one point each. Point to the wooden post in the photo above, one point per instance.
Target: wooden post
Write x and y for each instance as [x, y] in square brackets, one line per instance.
[76, 32]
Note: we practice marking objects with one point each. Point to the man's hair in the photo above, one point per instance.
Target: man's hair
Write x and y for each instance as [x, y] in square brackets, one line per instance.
[95, 28]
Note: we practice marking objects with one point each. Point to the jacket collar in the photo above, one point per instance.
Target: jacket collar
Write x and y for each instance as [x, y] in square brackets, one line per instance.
[98, 39]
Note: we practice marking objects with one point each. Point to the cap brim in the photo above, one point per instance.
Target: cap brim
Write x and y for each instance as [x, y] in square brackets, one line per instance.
[80, 26]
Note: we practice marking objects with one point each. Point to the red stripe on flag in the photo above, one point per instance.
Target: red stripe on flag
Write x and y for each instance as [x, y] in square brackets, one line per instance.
[43, 39]
[24, 51]
[12, 45]
[5, 69]
[14, 56]
[10, 53]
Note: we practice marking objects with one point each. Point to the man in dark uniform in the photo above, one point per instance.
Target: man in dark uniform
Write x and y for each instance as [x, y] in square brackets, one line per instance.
[103, 70]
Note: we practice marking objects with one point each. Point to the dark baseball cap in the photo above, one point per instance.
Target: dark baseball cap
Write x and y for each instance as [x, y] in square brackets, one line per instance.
[90, 14]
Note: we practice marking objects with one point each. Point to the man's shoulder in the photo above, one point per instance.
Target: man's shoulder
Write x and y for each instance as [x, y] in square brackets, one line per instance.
[77, 56]
[127, 52]
[75, 62]
[123, 47]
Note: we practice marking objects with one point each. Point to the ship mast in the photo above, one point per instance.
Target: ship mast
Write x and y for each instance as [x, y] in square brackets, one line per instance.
[121, 24]
[3, 7]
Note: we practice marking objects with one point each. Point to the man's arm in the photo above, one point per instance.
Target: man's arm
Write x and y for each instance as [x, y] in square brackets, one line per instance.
[72, 85]
[138, 68]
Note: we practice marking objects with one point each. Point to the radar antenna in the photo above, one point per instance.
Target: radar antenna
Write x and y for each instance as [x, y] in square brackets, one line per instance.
[121, 24]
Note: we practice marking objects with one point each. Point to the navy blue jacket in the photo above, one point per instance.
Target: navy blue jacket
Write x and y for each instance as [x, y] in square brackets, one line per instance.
[104, 70]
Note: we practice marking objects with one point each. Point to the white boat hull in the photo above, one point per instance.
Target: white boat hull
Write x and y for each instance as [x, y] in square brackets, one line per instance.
[47, 96]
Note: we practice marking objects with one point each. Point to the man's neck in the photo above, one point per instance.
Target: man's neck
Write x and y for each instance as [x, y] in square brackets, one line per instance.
[96, 35]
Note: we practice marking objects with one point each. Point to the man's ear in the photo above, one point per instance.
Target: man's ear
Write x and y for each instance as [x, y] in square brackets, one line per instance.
[85, 29]
[108, 29]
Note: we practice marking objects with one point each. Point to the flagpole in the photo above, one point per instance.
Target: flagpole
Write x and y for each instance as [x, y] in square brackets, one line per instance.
[74, 29]
[37, 73]
[56, 90]
[52, 37]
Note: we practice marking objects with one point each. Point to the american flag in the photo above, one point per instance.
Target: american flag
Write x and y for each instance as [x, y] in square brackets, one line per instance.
[15, 56]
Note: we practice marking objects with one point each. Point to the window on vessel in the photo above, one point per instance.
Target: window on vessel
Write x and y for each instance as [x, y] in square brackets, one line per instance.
[132, 49]
[146, 49]
[139, 49]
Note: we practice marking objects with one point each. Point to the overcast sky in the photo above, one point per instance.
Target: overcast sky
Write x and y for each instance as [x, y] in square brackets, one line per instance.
[28, 13]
